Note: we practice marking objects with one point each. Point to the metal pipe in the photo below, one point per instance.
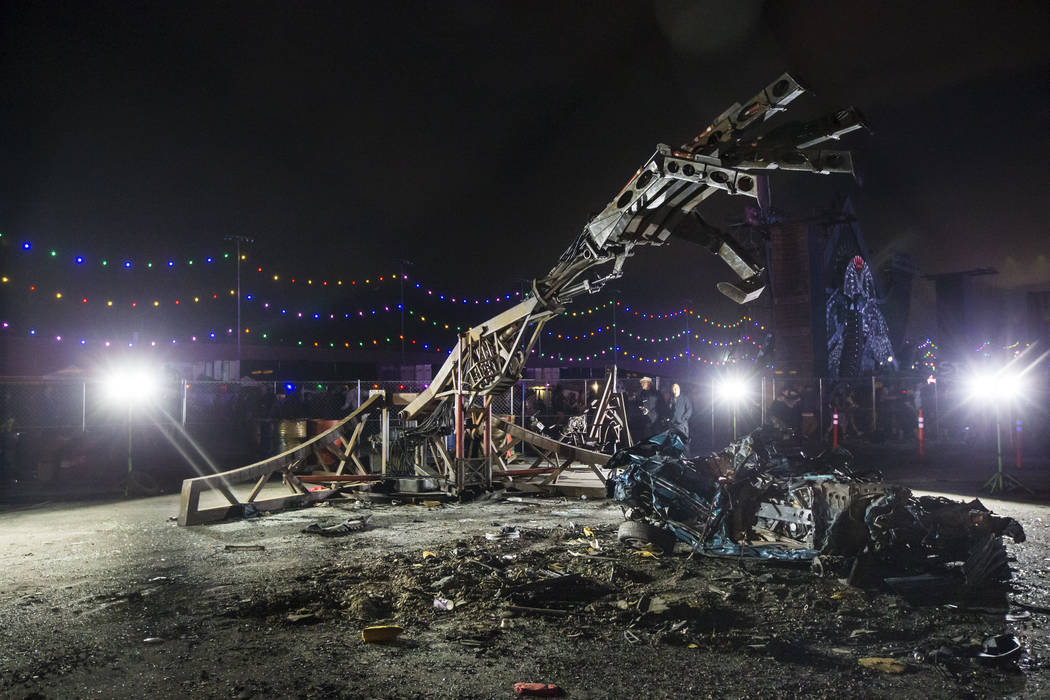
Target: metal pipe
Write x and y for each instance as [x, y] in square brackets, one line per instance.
[385, 428]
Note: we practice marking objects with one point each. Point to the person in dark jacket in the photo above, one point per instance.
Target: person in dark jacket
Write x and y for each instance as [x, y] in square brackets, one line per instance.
[785, 412]
[680, 410]
[651, 406]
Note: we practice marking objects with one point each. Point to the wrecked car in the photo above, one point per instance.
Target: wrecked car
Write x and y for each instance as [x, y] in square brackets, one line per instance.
[763, 498]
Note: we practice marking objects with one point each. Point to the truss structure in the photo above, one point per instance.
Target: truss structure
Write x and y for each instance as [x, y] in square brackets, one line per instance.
[341, 441]
[658, 202]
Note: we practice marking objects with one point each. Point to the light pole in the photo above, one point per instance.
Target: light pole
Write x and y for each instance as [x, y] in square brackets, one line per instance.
[999, 388]
[404, 264]
[733, 390]
[129, 386]
[239, 240]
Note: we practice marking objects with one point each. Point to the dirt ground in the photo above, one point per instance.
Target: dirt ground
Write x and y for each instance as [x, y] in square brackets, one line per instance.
[113, 600]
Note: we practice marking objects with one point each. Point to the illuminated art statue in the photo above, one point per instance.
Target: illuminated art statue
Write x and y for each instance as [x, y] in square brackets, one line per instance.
[858, 340]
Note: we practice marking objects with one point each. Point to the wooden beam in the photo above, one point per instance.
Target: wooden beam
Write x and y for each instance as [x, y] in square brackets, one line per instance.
[351, 444]
[258, 486]
[189, 501]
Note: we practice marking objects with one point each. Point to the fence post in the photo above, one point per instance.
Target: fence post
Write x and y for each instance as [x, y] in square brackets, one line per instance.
[384, 429]
[938, 430]
[922, 437]
[185, 399]
[820, 403]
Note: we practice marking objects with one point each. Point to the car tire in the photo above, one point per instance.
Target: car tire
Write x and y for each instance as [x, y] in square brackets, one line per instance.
[638, 534]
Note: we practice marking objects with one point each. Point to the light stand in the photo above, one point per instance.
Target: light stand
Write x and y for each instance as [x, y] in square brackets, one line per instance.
[1000, 481]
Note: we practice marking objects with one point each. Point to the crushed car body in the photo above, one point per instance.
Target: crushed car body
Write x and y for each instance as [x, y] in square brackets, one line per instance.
[763, 498]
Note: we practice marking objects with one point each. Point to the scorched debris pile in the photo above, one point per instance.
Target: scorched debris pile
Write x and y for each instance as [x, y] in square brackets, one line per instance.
[763, 498]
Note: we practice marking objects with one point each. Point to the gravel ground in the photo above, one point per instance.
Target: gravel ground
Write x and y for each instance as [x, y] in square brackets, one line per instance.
[113, 600]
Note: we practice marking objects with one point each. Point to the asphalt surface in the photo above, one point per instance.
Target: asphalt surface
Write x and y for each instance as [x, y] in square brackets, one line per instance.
[110, 598]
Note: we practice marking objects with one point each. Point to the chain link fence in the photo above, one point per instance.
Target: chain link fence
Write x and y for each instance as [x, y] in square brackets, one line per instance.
[68, 422]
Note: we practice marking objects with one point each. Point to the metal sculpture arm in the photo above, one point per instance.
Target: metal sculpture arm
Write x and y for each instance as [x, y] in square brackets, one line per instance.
[657, 202]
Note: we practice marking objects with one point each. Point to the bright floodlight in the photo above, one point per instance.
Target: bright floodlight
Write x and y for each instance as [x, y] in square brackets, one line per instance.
[733, 389]
[130, 385]
[1011, 386]
[996, 386]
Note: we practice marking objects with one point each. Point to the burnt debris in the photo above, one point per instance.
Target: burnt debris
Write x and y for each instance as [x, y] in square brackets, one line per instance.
[763, 498]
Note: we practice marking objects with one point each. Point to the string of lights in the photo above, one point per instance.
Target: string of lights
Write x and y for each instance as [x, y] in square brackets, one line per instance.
[928, 358]
[604, 330]
[416, 344]
[616, 352]
[214, 334]
[110, 302]
[1015, 349]
[289, 310]
[214, 296]
[171, 264]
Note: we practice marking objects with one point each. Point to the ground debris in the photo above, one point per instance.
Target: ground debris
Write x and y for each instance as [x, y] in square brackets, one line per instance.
[884, 664]
[340, 529]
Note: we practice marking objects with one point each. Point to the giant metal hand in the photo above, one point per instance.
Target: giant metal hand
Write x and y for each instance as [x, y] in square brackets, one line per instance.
[657, 203]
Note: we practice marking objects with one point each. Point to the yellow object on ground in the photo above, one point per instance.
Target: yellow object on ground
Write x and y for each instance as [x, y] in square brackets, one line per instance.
[381, 633]
[884, 664]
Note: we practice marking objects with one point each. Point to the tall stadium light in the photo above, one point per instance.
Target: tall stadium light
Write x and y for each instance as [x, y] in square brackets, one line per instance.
[733, 390]
[127, 387]
[130, 386]
[998, 388]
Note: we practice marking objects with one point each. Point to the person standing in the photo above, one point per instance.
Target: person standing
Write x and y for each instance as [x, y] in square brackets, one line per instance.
[651, 406]
[784, 413]
[681, 410]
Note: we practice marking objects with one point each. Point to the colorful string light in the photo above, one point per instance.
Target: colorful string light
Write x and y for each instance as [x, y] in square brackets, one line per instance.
[617, 352]
[213, 333]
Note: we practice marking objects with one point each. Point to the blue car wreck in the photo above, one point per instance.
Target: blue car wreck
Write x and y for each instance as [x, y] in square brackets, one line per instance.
[762, 498]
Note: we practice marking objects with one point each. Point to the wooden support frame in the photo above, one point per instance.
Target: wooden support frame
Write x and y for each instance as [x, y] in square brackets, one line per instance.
[557, 457]
[190, 512]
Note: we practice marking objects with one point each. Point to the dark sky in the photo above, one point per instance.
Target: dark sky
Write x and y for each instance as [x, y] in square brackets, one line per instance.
[475, 139]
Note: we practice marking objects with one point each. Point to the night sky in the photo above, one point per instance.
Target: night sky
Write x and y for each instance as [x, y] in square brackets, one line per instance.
[476, 139]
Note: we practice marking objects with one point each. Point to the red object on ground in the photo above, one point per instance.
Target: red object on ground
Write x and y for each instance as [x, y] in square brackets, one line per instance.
[542, 690]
